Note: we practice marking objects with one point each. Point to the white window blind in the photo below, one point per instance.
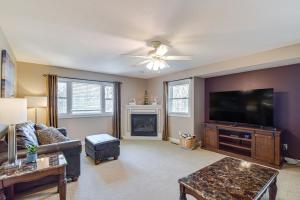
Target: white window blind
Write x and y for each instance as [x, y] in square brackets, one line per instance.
[84, 98]
[109, 94]
[62, 97]
[179, 97]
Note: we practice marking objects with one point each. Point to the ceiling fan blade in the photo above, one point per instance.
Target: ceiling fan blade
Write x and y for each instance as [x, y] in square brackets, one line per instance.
[144, 62]
[146, 57]
[177, 58]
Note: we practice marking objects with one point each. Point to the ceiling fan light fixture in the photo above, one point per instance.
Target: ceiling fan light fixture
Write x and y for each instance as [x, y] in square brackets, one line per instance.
[150, 65]
[161, 50]
[156, 65]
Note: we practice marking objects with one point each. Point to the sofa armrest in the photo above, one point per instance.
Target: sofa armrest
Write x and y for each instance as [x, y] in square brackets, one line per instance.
[62, 146]
[63, 131]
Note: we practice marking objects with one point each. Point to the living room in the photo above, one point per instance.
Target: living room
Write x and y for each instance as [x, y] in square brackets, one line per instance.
[149, 100]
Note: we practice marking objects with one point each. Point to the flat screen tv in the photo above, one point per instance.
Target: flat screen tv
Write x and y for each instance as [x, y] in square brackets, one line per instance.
[247, 107]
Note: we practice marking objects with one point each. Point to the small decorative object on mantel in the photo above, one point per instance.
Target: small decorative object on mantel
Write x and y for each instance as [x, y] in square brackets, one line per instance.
[146, 98]
[187, 141]
[154, 102]
[31, 153]
[132, 102]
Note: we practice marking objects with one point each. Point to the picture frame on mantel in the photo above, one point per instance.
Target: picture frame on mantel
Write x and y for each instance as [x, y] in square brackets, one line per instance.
[7, 74]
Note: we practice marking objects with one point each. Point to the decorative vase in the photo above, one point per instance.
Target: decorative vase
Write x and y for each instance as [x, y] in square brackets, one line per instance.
[31, 157]
[146, 99]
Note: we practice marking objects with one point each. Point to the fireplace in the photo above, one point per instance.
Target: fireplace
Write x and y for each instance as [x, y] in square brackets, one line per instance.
[143, 124]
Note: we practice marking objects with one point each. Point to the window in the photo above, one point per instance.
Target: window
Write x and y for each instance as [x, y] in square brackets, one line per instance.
[179, 97]
[84, 98]
[62, 98]
[109, 93]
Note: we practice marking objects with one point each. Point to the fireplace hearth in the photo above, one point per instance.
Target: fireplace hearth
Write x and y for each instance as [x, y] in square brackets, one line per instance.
[143, 122]
[144, 125]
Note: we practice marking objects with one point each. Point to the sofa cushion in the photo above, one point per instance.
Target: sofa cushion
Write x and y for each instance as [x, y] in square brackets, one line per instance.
[40, 126]
[50, 135]
[26, 135]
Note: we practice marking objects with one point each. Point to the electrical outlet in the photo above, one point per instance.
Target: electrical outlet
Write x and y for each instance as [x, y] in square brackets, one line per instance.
[285, 146]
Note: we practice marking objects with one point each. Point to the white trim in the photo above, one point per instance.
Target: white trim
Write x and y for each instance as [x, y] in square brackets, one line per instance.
[189, 98]
[143, 109]
[179, 115]
[69, 96]
[85, 116]
[141, 138]
[174, 140]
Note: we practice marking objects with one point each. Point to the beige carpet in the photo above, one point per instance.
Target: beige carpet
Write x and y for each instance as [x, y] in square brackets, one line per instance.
[148, 170]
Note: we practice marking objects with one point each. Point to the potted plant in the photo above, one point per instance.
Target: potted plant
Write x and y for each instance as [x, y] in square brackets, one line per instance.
[31, 153]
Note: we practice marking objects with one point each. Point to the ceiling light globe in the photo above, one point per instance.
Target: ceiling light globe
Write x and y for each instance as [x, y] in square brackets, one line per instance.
[161, 50]
[156, 65]
[150, 65]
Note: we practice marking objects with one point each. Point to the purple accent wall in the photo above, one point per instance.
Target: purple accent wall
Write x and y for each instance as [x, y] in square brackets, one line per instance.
[286, 83]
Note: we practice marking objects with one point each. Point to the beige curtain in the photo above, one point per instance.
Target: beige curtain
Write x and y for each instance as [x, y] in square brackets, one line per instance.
[165, 135]
[52, 99]
[117, 110]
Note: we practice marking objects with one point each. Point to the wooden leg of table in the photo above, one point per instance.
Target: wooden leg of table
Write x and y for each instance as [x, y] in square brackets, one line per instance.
[97, 162]
[58, 184]
[10, 192]
[273, 190]
[62, 187]
[182, 192]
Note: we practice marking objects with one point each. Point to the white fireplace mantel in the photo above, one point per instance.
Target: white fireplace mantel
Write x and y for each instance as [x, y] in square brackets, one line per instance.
[143, 109]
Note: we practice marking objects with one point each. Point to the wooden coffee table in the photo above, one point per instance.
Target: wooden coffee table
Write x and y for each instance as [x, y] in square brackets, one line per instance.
[230, 179]
[46, 165]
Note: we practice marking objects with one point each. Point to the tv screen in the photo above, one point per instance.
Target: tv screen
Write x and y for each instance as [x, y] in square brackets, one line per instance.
[249, 107]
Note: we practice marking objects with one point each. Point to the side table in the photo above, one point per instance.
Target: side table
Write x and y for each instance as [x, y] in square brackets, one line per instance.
[46, 165]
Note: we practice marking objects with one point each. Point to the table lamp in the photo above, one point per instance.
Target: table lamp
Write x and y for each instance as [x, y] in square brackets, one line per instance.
[12, 111]
[36, 102]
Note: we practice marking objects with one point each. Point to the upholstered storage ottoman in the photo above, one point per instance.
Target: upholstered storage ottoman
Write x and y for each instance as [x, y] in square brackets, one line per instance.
[101, 147]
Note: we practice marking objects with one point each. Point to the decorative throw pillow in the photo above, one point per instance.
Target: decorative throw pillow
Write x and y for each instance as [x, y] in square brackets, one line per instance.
[50, 135]
[40, 126]
[26, 135]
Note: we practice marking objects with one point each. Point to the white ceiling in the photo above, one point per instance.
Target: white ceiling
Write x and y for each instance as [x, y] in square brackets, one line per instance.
[94, 35]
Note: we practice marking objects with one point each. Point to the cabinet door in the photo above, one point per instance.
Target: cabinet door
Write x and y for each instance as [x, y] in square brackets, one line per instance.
[264, 147]
[211, 138]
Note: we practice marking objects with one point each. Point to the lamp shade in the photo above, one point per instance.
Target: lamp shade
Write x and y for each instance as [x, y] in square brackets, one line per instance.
[13, 110]
[36, 102]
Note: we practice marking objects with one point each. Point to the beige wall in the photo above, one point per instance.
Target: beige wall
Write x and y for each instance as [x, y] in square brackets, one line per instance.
[182, 124]
[31, 82]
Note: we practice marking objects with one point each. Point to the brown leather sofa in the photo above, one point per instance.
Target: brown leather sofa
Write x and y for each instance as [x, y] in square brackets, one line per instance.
[71, 150]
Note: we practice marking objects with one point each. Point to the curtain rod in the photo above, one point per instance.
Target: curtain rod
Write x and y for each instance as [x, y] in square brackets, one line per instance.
[180, 79]
[82, 79]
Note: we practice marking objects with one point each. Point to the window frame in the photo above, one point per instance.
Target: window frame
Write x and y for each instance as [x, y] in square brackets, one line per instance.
[69, 99]
[189, 98]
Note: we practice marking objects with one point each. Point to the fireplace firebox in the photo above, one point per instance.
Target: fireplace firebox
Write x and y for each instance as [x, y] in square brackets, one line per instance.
[143, 124]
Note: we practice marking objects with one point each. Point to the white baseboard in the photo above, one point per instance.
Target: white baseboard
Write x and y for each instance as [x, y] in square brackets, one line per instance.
[174, 140]
[292, 161]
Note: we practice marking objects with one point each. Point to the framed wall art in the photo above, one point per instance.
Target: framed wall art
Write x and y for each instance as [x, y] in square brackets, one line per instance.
[7, 75]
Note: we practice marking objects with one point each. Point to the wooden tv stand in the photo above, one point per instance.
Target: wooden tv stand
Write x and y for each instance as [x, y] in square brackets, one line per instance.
[253, 144]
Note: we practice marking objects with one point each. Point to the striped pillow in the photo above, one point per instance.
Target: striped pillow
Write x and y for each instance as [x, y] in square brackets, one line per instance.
[50, 135]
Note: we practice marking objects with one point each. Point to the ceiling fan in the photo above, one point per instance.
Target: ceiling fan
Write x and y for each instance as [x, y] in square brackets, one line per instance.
[156, 59]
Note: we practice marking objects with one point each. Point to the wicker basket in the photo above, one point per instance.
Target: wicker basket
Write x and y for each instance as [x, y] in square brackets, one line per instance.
[188, 143]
